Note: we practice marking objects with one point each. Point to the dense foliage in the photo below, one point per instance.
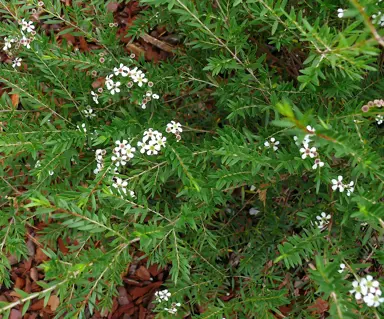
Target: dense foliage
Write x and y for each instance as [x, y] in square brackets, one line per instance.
[280, 112]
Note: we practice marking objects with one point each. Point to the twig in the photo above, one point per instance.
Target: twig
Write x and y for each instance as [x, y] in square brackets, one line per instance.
[157, 43]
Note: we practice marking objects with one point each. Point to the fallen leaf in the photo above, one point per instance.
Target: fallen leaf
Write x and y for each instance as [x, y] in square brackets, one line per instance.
[15, 100]
[98, 83]
[155, 270]
[137, 292]
[53, 302]
[83, 44]
[15, 314]
[19, 283]
[143, 273]
[34, 274]
[62, 246]
[123, 298]
[142, 312]
[112, 6]
[40, 256]
[319, 306]
[38, 305]
[262, 195]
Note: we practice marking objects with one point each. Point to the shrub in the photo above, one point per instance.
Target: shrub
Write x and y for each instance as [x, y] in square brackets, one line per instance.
[250, 160]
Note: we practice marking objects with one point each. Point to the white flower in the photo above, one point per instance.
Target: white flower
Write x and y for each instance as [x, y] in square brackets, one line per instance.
[174, 127]
[152, 148]
[51, 172]
[27, 25]
[359, 290]
[109, 81]
[379, 119]
[121, 146]
[253, 211]
[318, 163]
[272, 142]
[120, 184]
[119, 159]
[140, 79]
[95, 97]
[311, 152]
[155, 96]
[337, 184]
[37, 164]
[310, 129]
[142, 147]
[144, 106]
[340, 13]
[373, 300]
[130, 150]
[82, 128]
[98, 168]
[99, 154]
[342, 267]
[252, 188]
[115, 87]
[160, 140]
[25, 42]
[16, 62]
[132, 193]
[122, 70]
[323, 220]
[150, 134]
[371, 284]
[88, 112]
[349, 187]
[134, 72]
[7, 43]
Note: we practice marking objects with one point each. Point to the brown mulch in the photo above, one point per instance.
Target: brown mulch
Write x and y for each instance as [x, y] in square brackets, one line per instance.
[134, 300]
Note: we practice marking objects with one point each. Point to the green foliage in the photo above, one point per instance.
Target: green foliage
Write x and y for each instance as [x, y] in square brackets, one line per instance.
[246, 75]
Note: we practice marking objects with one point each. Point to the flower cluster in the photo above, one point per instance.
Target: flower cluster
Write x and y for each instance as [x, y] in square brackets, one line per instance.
[133, 75]
[162, 295]
[152, 142]
[174, 128]
[24, 39]
[338, 184]
[322, 220]
[272, 143]
[99, 155]
[368, 290]
[147, 97]
[307, 151]
[378, 18]
[123, 152]
[379, 119]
